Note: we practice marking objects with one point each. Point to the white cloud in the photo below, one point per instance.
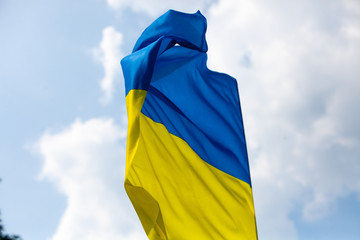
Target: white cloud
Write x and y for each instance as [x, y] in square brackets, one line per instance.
[156, 7]
[297, 69]
[109, 54]
[86, 161]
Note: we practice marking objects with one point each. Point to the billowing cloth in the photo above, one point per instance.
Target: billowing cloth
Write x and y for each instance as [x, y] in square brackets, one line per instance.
[187, 172]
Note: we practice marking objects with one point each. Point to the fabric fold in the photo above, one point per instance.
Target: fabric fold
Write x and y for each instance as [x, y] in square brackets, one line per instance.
[173, 27]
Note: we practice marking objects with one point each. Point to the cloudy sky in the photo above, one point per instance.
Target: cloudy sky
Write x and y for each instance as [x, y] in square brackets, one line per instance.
[63, 118]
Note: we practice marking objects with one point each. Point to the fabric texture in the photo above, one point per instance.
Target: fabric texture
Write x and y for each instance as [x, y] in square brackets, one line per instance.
[187, 172]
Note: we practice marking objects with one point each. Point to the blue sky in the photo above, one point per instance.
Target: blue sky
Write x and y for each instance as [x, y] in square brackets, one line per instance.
[63, 118]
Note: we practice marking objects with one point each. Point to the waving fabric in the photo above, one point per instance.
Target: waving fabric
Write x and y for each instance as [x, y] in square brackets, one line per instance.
[187, 172]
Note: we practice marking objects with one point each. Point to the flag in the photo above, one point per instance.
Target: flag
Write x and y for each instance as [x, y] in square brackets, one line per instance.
[187, 172]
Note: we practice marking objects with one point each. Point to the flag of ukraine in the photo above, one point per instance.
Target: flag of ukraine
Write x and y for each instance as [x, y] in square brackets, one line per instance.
[187, 171]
